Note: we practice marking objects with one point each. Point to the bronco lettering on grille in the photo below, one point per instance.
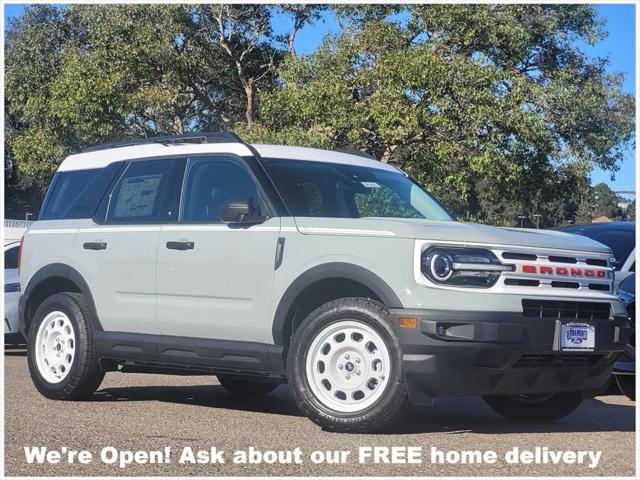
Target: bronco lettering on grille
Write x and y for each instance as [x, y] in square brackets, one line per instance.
[564, 271]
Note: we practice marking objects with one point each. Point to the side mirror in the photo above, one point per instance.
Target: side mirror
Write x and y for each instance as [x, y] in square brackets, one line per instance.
[241, 212]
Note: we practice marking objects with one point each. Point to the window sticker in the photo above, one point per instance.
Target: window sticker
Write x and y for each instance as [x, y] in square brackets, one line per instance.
[137, 196]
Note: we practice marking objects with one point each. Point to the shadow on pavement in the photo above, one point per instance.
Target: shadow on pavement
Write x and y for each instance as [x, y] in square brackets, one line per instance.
[472, 415]
[279, 402]
[448, 415]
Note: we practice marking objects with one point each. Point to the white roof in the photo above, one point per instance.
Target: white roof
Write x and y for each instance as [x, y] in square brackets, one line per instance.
[318, 155]
[102, 158]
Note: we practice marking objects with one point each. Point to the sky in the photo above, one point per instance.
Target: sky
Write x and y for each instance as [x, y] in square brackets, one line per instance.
[619, 47]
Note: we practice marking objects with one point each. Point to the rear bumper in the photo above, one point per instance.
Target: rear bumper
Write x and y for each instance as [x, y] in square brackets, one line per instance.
[496, 353]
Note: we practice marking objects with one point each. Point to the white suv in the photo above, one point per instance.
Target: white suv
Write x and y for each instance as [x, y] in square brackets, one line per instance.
[337, 273]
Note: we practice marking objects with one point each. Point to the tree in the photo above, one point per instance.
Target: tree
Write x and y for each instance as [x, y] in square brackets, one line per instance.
[301, 14]
[81, 75]
[605, 202]
[493, 107]
[631, 211]
[600, 201]
[244, 32]
[462, 97]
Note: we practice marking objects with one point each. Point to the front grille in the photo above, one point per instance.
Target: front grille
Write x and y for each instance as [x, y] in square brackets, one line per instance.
[520, 282]
[565, 285]
[519, 256]
[554, 272]
[550, 360]
[557, 259]
[566, 310]
[596, 262]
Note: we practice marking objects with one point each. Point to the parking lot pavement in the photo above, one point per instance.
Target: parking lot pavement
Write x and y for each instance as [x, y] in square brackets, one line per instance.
[151, 412]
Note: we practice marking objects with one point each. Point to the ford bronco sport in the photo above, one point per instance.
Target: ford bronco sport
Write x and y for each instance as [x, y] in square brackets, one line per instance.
[333, 272]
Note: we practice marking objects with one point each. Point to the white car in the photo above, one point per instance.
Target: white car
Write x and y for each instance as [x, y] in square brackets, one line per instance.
[265, 264]
[11, 293]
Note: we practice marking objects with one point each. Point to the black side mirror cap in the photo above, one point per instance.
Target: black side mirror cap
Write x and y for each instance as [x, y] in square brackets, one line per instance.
[241, 212]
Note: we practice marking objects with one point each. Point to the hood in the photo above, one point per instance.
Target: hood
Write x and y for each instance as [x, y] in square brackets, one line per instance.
[443, 231]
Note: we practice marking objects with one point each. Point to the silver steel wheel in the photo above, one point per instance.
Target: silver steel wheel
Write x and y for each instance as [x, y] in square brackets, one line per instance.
[55, 347]
[348, 366]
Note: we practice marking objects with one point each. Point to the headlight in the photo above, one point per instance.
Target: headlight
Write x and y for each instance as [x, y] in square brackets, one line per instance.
[11, 287]
[462, 267]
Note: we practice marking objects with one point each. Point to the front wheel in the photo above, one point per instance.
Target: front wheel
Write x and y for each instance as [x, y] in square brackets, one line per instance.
[345, 366]
[535, 408]
[627, 385]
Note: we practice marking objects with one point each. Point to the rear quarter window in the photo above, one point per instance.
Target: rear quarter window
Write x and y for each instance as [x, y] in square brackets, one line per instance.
[77, 193]
[11, 257]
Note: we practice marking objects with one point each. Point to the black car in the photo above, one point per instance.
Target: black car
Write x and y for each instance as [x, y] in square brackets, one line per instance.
[620, 237]
[625, 368]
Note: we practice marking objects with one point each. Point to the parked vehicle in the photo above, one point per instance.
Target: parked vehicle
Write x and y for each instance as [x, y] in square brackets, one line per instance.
[337, 273]
[11, 293]
[620, 237]
[624, 369]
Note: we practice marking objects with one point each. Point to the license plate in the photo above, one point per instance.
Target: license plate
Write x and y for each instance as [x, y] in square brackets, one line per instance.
[577, 337]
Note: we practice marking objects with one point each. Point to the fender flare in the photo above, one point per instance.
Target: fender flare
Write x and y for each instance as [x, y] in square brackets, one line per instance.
[326, 271]
[56, 270]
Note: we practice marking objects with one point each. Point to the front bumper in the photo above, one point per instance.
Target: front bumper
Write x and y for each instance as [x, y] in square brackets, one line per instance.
[451, 353]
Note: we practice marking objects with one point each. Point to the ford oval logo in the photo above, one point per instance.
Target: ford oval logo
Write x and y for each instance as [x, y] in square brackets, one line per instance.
[576, 335]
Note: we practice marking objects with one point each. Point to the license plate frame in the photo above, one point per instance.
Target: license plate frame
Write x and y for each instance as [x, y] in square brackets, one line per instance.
[577, 337]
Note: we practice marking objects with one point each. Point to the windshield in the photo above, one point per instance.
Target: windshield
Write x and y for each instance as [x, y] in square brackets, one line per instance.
[318, 189]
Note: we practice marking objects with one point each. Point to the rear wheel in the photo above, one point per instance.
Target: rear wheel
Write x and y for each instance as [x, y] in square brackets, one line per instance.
[535, 408]
[242, 385]
[61, 353]
[345, 366]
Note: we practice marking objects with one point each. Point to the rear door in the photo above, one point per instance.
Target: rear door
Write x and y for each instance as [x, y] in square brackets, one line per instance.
[214, 279]
[118, 253]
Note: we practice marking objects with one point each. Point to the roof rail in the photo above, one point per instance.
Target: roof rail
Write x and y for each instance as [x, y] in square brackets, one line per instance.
[355, 151]
[198, 137]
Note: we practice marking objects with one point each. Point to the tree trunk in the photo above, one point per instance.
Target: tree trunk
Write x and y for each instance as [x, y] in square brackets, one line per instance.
[249, 89]
[386, 156]
[292, 39]
[177, 125]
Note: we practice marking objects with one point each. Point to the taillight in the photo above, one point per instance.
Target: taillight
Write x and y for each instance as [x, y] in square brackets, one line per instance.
[20, 254]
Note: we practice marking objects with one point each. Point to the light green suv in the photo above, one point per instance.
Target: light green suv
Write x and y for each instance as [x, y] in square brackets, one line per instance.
[331, 271]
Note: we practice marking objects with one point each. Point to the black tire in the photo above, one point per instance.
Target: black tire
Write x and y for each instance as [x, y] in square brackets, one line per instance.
[394, 397]
[627, 385]
[245, 386]
[85, 374]
[533, 408]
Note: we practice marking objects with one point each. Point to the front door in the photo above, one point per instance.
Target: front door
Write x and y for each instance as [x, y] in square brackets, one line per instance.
[214, 280]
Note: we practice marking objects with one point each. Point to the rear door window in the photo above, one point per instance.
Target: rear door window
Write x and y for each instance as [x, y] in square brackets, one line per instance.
[141, 192]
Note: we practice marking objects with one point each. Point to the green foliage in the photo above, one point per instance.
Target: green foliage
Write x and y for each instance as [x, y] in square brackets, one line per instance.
[81, 75]
[601, 201]
[492, 107]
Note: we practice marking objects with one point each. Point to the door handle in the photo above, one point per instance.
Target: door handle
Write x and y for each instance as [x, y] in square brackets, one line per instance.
[180, 245]
[95, 245]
